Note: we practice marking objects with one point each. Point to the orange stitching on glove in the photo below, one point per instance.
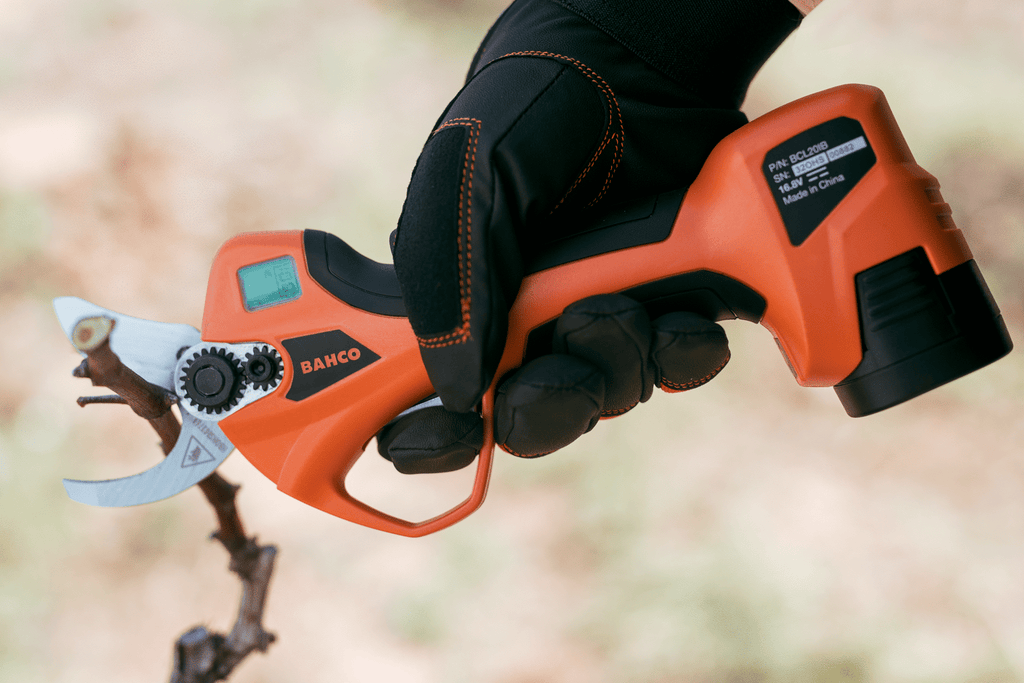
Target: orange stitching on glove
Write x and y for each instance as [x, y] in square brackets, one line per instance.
[520, 455]
[615, 413]
[674, 387]
[462, 334]
[614, 117]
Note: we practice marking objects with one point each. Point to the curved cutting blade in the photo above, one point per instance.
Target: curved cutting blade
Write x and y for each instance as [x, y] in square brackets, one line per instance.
[200, 449]
[149, 348]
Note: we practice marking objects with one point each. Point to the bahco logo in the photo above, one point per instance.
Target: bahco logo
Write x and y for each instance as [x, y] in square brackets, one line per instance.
[330, 360]
[319, 363]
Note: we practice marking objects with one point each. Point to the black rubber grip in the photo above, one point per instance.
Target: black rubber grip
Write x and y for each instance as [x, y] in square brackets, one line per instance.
[351, 277]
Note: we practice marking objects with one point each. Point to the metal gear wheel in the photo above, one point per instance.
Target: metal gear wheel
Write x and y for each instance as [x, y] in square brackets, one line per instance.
[213, 380]
[263, 367]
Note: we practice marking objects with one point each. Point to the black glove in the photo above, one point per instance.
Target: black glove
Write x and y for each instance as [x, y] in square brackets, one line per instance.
[569, 107]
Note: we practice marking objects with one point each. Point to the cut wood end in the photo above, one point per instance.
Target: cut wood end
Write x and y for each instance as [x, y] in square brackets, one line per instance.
[90, 333]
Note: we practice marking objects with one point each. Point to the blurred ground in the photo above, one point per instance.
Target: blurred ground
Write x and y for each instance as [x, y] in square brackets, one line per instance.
[748, 531]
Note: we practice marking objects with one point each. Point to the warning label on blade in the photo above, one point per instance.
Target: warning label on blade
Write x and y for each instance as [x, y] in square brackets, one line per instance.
[196, 454]
[810, 173]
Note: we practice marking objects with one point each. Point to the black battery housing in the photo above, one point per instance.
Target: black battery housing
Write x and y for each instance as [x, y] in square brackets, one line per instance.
[919, 331]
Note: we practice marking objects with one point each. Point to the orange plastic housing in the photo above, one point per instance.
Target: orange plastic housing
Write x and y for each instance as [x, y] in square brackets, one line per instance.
[308, 447]
[728, 223]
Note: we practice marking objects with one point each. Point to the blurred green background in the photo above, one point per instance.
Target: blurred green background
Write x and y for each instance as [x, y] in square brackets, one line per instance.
[745, 532]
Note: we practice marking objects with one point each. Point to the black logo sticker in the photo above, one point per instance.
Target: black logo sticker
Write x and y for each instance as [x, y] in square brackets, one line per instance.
[320, 360]
[810, 173]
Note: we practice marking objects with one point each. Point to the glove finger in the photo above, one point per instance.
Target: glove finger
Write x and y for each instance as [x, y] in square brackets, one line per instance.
[687, 351]
[544, 406]
[514, 146]
[612, 332]
[547, 404]
[431, 440]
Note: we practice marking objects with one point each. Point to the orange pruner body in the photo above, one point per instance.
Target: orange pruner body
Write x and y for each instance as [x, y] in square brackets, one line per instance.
[813, 220]
[308, 445]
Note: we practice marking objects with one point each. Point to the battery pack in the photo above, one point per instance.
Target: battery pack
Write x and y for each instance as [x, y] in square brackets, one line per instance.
[920, 330]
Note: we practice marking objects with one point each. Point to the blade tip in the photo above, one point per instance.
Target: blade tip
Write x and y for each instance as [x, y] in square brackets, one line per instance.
[82, 492]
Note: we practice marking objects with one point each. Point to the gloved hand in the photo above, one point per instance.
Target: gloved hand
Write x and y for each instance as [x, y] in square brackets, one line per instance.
[570, 106]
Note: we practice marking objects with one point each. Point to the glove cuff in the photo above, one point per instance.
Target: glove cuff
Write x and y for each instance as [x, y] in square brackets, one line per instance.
[713, 48]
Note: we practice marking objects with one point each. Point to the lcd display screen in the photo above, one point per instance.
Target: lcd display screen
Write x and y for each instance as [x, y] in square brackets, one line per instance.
[269, 283]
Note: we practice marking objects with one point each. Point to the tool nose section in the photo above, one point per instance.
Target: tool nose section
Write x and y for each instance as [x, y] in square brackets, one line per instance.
[149, 348]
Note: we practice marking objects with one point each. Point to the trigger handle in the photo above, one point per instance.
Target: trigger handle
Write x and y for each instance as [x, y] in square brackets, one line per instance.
[319, 481]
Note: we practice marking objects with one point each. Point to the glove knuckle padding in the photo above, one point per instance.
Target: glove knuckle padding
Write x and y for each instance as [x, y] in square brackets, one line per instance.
[613, 332]
[688, 350]
[547, 404]
[529, 134]
[553, 400]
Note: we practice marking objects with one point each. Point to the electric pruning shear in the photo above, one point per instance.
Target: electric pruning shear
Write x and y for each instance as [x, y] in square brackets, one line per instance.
[813, 220]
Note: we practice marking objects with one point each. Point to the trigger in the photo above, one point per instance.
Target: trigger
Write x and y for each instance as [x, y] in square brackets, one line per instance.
[431, 402]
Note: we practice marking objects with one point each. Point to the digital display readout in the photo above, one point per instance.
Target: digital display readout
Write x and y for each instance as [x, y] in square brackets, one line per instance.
[269, 283]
